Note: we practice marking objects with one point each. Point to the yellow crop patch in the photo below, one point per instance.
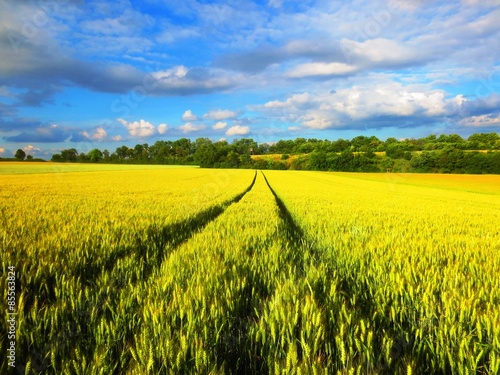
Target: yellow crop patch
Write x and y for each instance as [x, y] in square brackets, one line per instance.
[139, 270]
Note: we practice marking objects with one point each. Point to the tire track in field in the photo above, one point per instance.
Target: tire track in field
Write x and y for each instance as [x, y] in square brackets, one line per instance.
[160, 241]
[348, 284]
[149, 253]
[294, 235]
[172, 236]
[167, 240]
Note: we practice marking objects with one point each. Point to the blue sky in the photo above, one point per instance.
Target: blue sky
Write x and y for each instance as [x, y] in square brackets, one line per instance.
[98, 74]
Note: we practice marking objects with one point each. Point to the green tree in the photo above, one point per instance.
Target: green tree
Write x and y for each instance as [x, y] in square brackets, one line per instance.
[317, 161]
[69, 154]
[232, 160]
[95, 155]
[305, 148]
[246, 161]
[483, 141]
[206, 153]
[340, 145]
[122, 152]
[243, 146]
[57, 158]
[20, 154]
[395, 150]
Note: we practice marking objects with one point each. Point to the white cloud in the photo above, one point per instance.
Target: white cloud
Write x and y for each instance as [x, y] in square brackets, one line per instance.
[295, 100]
[220, 114]
[185, 81]
[117, 138]
[190, 127]
[32, 149]
[2, 150]
[237, 130]
[482, 121]
[321, 69]
[189, 116]
[162, 128]
[360, 104]
[448, 36]
[141, 128]
[378, 52]
[219, 125]
[179, 71]
[99, 134]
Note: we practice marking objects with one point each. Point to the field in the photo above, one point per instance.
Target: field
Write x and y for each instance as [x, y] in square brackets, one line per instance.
[153, 270]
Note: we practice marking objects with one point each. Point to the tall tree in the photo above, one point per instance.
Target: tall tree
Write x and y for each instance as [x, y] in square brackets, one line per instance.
[69, 154]
[20, 154]
[95, 155]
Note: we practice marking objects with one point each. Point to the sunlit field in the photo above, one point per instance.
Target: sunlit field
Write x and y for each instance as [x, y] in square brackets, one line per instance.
[150, 269]
[13, 167]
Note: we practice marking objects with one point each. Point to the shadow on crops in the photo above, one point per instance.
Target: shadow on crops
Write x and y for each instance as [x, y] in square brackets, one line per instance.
[293, 235]
[150, 249]
[234, 347]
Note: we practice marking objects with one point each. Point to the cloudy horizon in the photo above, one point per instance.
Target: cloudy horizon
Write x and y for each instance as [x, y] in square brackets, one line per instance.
[97, 74]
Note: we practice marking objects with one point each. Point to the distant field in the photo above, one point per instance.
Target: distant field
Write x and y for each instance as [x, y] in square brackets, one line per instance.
[12, 167]
[152, 269]
[274, 157]
[378, 153]
[489, 184]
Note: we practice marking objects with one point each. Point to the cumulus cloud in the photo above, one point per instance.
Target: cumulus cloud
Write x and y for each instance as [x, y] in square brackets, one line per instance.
[143, 128]
[189, 127]
[219, 125]
[265, 56]
[220, 114]
[483, 121]
[31, 149]
[120, 53]
[378, 105]
[48, 63]
[237, 130]
[64, 70]
[295, 101]
[382, 53]
[189, 116]
[162, 128]
[98, 135]
[180, 80]
[2, 150]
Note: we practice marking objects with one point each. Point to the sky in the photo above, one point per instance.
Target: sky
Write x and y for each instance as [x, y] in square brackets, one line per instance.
[102, 74]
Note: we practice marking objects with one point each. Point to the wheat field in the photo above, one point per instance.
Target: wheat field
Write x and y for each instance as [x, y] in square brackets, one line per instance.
[139, 270]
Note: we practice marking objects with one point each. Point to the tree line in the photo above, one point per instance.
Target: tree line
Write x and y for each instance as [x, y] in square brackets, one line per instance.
[432, 154]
